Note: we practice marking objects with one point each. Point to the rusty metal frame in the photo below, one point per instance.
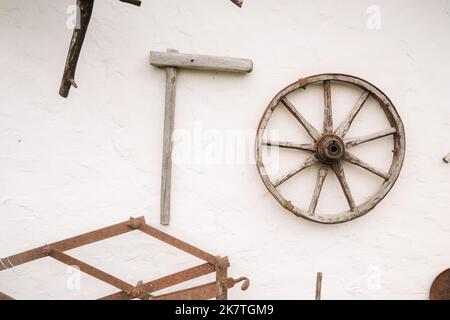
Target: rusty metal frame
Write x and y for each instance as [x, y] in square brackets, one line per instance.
[217, 289]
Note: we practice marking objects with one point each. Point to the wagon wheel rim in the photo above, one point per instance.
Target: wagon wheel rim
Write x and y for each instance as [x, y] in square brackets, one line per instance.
[331, 147]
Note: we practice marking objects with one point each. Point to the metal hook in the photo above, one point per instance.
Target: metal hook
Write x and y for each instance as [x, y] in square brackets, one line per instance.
[447, 158]
[246, 283]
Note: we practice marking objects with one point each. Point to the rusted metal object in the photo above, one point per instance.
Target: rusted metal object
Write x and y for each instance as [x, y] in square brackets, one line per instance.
[5, 297]
[166, 282]
[206, 291]
[143, 291]
[447, 158]
[330, 147]
[85, 8]
[440, 289]
[239, 3]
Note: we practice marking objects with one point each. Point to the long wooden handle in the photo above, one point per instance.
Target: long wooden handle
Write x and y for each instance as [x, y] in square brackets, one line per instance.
[79, 33]
[85, 8]
[319, 286]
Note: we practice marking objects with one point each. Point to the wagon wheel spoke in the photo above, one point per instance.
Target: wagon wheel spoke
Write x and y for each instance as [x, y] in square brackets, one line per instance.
[356, 161]
[290, 145]
[339, 171]
[306, 164]
[351, 142]
[297, 115]
[328, 110]
[321, 175]
[345, 125]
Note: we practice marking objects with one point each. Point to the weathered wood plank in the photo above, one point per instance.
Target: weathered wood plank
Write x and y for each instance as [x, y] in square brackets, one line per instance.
[169, 126]
[319, 286]
[200, 62]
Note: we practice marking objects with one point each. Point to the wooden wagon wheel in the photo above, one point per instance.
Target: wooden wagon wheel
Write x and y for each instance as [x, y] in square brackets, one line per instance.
[331, 147]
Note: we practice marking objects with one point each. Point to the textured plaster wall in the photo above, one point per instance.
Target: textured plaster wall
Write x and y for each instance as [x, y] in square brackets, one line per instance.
[71, 166]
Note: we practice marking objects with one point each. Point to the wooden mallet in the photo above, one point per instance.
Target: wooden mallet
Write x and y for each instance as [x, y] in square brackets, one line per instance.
[171, 61]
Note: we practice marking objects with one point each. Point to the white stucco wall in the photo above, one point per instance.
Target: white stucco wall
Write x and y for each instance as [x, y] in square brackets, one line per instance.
[71, 166]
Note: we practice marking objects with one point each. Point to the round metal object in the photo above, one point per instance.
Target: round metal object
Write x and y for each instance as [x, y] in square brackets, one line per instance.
[331, 147]
[440, 289]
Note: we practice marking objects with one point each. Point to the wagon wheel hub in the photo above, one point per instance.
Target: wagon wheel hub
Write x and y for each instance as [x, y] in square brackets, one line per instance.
[330, 148]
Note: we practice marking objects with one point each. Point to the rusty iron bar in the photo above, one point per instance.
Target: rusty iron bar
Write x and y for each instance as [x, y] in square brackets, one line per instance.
[167, 281]
[186, 247]
[221, 275]
[68, 244]
[135, 292]
[220, 265]
[202, 292]
[105, 233]
[4, 297]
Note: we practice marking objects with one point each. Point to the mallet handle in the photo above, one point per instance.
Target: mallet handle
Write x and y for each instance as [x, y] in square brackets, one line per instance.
[169, 125]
